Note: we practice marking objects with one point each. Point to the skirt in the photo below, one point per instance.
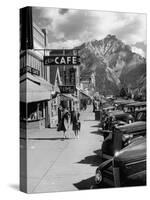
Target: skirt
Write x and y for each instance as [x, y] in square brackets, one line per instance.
[76, 126]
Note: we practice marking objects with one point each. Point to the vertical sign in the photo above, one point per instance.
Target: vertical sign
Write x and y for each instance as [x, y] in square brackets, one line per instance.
[26, 28]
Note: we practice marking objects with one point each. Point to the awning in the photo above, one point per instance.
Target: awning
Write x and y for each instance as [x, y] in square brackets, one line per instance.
[68, 96]
[36, 79]
[31, 91]
[83, 95]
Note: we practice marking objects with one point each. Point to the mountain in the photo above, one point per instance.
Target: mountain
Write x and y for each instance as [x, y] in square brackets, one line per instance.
[114, 64]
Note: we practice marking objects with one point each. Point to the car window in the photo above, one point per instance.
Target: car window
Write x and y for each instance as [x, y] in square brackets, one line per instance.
[141, 116]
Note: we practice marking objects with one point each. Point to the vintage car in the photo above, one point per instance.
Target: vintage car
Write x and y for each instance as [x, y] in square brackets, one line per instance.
[133, 107]
[120, 137]
[108, 109]
[116, 117]
[126, 168]
[104, 113]
[121, 103]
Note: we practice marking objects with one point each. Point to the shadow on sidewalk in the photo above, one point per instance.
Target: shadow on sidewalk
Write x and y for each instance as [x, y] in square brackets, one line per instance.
[93, 160]
[98, 132]
[85, 184]
[96, 126]
[95, 132]
[89, 183]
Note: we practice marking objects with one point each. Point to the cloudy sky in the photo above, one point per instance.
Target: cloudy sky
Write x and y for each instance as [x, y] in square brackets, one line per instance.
[68, 28]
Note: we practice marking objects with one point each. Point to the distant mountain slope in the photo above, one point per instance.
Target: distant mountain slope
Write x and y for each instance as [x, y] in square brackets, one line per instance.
[114, 63]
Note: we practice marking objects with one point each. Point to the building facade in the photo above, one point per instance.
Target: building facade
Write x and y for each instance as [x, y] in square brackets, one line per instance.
[35, 89]
[88, 84]
[70, 78]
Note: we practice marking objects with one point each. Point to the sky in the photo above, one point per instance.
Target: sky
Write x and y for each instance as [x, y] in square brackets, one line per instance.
[68, 28]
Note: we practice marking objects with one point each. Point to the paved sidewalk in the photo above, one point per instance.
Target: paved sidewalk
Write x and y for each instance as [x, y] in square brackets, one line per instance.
[87, 115]
[57, 164]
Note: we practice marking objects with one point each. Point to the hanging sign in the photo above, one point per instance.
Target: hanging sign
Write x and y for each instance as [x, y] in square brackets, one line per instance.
[61, 60]
[67, 89]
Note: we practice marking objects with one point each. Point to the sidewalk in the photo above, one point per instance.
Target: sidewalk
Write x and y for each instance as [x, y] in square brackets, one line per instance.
[44, 133]
[57, 164]
[53, 133]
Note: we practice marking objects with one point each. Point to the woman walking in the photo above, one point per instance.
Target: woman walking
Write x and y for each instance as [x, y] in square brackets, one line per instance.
[76, 123]
[65, 121]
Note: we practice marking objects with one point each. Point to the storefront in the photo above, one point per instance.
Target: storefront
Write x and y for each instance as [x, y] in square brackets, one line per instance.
[34, 98]
[85, 99]
[68, 101]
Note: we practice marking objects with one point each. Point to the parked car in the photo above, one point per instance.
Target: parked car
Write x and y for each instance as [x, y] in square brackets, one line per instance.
[133, 107]
[104, 113]
[108, 109]
[121, 103]
[116, 117]
[120, 137]
[126, 168]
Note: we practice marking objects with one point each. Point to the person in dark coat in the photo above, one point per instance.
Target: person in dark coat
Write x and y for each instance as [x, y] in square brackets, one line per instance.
[76, 124]
[59, 118]
[94, 105]
[65, 121]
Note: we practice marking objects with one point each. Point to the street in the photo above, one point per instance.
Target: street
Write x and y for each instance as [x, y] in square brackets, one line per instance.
[56, 164]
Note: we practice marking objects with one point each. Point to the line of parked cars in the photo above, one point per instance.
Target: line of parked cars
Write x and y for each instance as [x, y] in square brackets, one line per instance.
[123, 150]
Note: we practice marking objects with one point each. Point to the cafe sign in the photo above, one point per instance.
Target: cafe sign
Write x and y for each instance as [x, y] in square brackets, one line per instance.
[61, 60]
[67, 89]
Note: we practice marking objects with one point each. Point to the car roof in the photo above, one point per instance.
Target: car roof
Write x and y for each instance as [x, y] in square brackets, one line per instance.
[138, 103]
[108, 107]
[141, 110]
[117, 113]
[123, 101]
[135, 126]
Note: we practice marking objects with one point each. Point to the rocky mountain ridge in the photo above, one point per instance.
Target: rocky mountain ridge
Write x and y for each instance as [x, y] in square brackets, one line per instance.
[114, 64]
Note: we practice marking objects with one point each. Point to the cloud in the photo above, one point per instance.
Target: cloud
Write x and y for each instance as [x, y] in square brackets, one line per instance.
[141, 45]
[67, 26]
[138, 51]
[68, 44]
[133, 28]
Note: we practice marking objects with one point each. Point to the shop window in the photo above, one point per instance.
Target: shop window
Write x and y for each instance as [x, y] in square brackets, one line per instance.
[32, 111]
[35, 111]
[54, 107]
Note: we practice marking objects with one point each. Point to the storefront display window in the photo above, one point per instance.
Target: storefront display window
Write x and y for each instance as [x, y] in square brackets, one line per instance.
[54, 107]
[35, 111]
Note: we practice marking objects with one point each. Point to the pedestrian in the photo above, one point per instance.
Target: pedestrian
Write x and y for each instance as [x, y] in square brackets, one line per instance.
[76, 124]
[59, 118]
[94, 105]
[65, 121]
